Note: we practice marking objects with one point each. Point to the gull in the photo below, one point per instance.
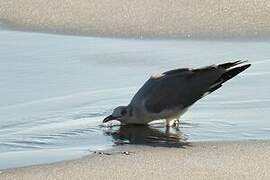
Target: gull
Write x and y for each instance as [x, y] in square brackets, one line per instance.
[169, 95]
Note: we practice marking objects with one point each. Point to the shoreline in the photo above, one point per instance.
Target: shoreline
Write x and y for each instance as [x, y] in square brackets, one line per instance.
[199, 160]
[194, 19]
[5, 27]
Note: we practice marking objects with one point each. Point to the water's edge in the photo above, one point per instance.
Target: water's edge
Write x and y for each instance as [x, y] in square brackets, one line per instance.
[55, 91]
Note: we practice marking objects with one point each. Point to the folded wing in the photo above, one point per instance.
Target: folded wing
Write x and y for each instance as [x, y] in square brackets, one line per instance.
[183, 87]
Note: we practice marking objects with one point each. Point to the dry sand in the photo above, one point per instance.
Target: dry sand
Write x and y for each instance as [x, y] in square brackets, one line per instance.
[142, 18]
[210, 160]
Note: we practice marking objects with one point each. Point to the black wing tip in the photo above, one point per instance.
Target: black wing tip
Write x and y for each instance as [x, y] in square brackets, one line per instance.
[246, 66]
[233, 72]
[242, 68]
[229, 65]
[229, 74]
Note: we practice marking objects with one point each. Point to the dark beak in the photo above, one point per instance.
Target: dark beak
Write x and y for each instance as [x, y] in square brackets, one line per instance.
[109, 118]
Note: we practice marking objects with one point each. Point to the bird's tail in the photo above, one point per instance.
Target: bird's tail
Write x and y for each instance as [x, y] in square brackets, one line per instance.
[231, 71]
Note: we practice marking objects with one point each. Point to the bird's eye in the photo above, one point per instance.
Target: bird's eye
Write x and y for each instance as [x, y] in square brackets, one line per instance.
[123, 112]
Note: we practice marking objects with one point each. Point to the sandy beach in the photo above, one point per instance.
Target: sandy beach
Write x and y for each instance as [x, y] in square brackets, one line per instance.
[207, 160]
[191, 19]
[55, 90]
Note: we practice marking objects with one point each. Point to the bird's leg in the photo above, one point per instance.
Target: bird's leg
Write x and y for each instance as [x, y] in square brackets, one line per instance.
[169, 123]
[176, 124]
[167, 131]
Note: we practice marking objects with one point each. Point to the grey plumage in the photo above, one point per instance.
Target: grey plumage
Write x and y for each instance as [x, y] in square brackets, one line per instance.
[169, 95]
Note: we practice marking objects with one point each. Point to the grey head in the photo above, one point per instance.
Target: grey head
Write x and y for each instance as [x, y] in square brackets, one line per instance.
[121, 113]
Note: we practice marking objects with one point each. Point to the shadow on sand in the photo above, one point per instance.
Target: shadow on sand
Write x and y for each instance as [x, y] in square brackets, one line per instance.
[147, 135]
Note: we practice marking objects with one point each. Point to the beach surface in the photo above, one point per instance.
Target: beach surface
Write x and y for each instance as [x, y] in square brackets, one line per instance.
[55, 90]
[192, 19]
[207, 160]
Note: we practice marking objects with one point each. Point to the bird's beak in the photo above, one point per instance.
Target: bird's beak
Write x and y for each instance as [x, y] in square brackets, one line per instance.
[109, 118]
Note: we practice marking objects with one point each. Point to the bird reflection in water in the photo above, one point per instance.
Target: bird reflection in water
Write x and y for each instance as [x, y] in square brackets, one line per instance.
[146, 135]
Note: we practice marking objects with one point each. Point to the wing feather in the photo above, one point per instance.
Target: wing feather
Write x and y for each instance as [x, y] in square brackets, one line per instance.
[180, 88]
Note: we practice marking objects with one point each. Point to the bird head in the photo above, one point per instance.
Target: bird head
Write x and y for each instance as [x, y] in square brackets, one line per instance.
[120, 113]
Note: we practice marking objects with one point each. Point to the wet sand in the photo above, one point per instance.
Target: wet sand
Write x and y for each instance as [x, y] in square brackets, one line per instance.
[206, 160]
[208, 19]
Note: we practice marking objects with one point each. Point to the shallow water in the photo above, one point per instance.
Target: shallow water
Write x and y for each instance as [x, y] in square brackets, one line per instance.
[55, 91]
